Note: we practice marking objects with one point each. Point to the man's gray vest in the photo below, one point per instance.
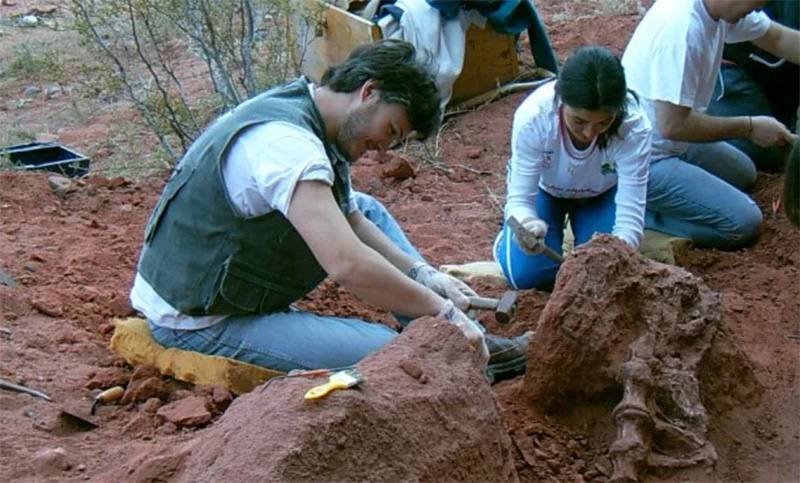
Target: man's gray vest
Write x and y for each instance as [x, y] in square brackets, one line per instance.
[204, 258]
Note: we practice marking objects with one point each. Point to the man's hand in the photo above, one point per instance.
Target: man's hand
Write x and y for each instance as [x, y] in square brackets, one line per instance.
[468, 327]
[445, 285]
[768, 131]
[532, 241]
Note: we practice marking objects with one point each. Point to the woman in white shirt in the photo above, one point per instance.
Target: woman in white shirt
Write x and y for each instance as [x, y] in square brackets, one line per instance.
[579, 148]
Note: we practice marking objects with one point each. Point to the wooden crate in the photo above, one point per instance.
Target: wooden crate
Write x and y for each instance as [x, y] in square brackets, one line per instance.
[490, 59]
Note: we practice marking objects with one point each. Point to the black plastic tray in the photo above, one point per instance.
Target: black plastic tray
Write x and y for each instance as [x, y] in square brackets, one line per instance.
[48, 157]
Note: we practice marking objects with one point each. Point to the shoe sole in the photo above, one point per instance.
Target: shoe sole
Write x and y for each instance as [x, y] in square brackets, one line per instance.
[506, 370]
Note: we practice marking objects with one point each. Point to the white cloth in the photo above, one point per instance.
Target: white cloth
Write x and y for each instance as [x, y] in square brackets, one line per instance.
[675, 54]
[441, 42]
[541, 159]
[260, 171]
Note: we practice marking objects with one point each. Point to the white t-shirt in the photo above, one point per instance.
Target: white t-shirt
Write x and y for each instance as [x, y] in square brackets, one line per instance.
[260, 171]
[543, 157]
[675, 54]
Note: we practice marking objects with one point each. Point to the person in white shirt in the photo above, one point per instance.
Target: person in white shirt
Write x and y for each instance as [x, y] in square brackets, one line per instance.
[579, 148]
[260, 211]
[696, 179]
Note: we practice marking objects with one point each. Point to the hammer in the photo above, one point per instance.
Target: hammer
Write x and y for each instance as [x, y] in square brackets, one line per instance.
[526, 239]
[503, 307]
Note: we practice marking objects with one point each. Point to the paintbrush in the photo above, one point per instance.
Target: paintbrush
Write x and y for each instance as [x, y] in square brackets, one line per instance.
[340, 380]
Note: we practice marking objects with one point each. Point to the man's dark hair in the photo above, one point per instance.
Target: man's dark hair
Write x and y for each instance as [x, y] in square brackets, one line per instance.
[791, 186]
[593, 78]
[401, 79]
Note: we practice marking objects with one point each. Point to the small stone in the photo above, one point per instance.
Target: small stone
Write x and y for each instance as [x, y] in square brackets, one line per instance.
[142, 390]
[412, 369]
[51, 461]
[398, 168]
[474, 153]
[28, 21]
[221, 398]
[144, 371]
[107, 377]
[188, 412]
[52, 92]
[31, 91]
[427, 198]
[182, 394]
[151, 405]
[167, 428]
[28, 412]
[81, 467]
[139, 424]
[62, 186]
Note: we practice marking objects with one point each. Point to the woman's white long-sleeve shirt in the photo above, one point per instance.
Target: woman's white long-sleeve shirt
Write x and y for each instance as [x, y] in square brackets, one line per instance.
[543, 157]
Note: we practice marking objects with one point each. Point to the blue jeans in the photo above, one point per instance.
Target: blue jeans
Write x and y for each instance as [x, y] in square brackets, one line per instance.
[587, 216]
[697, 196]
[293, 339]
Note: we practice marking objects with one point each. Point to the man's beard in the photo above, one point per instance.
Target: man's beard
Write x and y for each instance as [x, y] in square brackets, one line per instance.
[352, 128]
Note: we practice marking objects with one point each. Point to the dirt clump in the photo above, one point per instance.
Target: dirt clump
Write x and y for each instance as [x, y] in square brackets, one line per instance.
[425, 412]
[606, 296]
[617, 322]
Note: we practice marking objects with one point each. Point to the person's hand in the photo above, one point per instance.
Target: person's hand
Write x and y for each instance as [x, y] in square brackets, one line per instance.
[445, 285]
[532, 242]
[768, 131]
[468, 327]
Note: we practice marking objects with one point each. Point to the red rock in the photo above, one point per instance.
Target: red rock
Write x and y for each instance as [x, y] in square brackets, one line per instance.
[275, 435]
[121, 307]
[399, 167]
[144, 371]
[142, 390]
[48, 304]
[140, 423]
[108, 377]
[191, 411]
[151, 405]
[474, 153]
[218, 397]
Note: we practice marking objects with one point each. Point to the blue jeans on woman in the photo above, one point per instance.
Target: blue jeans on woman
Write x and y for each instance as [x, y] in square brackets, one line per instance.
[587, 216]
[698, 196]
[294, 339]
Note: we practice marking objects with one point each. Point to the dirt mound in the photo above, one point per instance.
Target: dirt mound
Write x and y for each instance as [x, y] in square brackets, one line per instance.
[425, 412]
[605, 297]
[619, 323]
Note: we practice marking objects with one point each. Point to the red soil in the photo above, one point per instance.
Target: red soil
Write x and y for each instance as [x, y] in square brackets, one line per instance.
[74, 259]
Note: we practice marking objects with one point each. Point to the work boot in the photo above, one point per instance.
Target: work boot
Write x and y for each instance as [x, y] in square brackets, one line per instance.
[507, 357]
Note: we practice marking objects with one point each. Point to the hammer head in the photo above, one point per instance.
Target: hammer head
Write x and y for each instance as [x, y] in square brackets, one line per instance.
[505, 307]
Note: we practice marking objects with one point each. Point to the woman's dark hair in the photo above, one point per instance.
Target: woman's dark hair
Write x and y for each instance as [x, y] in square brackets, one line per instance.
[592, 78]
[401, 79]
[791, 186]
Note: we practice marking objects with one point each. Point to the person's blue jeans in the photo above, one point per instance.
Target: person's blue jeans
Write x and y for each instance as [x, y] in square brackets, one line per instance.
[587, 216]
[294, 339]
[697, 196]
